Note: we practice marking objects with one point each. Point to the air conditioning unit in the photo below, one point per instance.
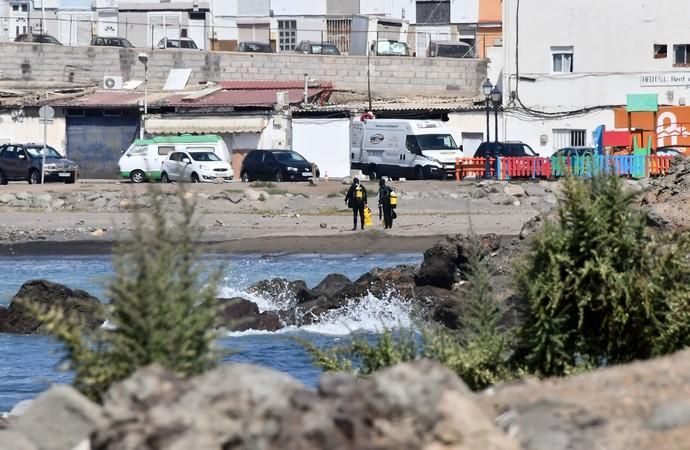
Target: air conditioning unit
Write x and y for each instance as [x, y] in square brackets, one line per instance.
[282, 100]
[112, 82]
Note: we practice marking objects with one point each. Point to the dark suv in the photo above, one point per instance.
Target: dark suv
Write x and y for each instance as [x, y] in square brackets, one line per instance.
[38, 38]
[255, 47]
[105, 41]
[510, 148]
[23, 162]
[317, 48]
[276, 165]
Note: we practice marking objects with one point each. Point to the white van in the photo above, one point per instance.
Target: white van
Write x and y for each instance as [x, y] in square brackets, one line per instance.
[414, 149]
[144, 158]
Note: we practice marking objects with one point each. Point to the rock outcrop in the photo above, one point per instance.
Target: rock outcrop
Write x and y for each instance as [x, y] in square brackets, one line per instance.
[411, 406]
[75, 303]
[238, 314]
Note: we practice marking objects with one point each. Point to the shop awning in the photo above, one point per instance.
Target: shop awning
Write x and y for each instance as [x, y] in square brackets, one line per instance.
[208, 125]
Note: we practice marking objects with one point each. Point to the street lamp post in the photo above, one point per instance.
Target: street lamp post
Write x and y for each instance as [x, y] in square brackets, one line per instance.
[144, 59]
[496, 97]
[487, 88]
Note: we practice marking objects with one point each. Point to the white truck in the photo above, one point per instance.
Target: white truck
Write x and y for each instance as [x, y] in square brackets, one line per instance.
[412, 149]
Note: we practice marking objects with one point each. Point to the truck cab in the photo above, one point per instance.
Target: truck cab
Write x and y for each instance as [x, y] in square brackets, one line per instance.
[412, 149]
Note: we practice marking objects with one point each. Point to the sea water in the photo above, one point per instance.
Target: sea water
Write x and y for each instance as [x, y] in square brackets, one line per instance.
[30, 364]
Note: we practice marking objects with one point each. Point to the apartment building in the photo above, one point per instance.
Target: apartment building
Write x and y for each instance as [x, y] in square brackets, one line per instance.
[570, 65]
[284, 23]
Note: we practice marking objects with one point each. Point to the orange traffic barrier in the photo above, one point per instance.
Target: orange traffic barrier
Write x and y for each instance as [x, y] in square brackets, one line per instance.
[467, 167]
[658, 164]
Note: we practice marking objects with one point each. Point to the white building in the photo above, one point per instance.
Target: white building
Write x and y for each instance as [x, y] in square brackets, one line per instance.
[568, 64]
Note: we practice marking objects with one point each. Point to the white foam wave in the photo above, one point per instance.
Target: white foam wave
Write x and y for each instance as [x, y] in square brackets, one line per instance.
[370, 313]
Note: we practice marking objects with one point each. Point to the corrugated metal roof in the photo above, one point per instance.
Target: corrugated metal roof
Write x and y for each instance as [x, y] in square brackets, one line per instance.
[206, 124]
[110, 99]
[416, 105]
[265, 98]
[269, 84]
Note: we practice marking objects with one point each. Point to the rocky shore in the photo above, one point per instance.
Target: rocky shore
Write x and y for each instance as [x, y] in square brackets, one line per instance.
[433, 290]
[418, 405]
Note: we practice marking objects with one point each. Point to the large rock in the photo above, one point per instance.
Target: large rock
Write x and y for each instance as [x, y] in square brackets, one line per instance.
[238, 314]
[59, 419]
[439, 266]
[75, 303]
[419, 405]
[283, 291]
[514, 189]
[331, 285]
[638, 406]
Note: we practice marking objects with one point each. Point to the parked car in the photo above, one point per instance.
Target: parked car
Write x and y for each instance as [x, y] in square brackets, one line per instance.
[255, 47]
[144, 158]
[449, 49]
[510, 148]
[195, 166]
[105, 41]
[389, 47]
[317, 48]
[38, 38]
[276, 165]
[22, 162]
[184, 43]
[574, 151]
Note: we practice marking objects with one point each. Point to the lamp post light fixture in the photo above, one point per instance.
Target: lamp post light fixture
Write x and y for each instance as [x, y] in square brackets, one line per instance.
[487, 88]
[496, 98]
[144, 59]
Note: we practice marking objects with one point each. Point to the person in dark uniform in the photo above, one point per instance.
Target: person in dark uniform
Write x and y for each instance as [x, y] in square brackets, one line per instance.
[356, 198]
[385, 204]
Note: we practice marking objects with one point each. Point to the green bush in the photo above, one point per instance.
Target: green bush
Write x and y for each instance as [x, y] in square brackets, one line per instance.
[599, 288]
[160, 310]
[478, 354]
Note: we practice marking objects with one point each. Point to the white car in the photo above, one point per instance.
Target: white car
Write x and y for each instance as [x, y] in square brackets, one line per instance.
[195, 166]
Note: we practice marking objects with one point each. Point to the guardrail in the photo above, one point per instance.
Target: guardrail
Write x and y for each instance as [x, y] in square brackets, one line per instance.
[506, 168]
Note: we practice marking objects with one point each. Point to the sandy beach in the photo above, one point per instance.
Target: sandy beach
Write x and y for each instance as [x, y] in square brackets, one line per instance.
[265, 218]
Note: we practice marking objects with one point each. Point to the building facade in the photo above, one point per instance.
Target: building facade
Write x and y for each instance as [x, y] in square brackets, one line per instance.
[569, 66]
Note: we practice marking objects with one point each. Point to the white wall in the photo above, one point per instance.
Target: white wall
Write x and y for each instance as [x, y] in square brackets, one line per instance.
[390, 8]
[224, 28]
[308, 28]
[29, 129]
[464, 11]
[612, 42]
[325, 142]
[298, 8]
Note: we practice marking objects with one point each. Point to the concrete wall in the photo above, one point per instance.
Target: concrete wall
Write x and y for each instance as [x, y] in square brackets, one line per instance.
[389, 76]
[29, 128]
[344, 7]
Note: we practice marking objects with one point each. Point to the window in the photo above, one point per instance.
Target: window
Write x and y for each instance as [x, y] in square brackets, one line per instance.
[660, 51]
[562, 59]
[412, 145]
[569, 138]
[682, 55]
[165, 149]
[15, 7]
[433, 12]
[24, 8]
[287, 35]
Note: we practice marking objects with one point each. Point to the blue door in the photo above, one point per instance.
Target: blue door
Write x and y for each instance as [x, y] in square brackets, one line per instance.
[96, 140]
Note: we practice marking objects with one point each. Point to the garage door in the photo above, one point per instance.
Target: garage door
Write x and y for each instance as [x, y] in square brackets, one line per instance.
[96, 140]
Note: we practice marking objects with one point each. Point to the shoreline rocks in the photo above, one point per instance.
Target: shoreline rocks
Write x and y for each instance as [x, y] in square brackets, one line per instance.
[82, 306]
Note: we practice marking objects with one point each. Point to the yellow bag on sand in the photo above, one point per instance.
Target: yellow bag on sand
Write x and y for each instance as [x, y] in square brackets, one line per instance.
[367, 217]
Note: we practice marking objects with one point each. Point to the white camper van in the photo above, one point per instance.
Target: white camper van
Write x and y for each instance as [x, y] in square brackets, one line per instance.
[144, 158]
[415, 149]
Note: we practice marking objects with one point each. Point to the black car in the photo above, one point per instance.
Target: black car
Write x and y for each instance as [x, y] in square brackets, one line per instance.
[255, 47]
[276, 165]
[38, 38]
[514, 149]
[574, 151]
[22, 162]
[104, 41]
[317, 48]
